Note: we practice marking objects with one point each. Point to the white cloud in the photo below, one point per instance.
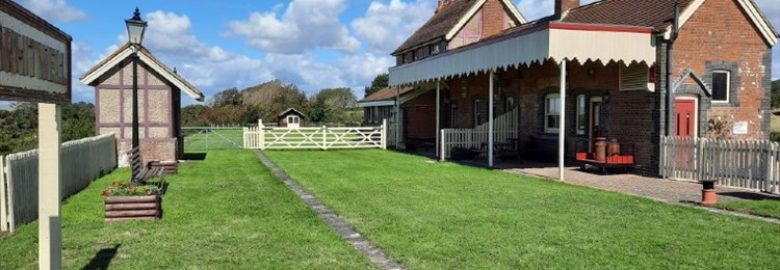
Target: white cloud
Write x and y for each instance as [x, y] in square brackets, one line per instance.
[304, 25]
[386, 26]
[54, 10]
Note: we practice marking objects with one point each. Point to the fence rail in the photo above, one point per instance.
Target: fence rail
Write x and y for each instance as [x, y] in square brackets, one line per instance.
[323, 138]
[505, 127]
[750, 164]
[82, 161]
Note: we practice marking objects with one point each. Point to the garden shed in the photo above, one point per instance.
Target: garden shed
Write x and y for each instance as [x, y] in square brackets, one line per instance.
[290, 118]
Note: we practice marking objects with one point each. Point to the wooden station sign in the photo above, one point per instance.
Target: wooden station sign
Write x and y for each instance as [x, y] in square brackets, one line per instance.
[35, 57]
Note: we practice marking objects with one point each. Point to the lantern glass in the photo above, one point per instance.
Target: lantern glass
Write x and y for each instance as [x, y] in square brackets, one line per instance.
[136, 28]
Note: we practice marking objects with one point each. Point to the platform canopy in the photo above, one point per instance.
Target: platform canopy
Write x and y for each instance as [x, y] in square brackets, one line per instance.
[535, 42]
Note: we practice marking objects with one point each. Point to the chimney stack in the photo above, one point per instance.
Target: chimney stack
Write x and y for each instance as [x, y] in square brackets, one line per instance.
[563, 6]
[442, 4]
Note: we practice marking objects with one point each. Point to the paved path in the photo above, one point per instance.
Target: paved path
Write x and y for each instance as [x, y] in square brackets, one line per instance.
[656, 188]
[341, 226]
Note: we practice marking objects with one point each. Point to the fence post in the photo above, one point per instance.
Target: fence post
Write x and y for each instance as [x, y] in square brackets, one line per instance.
[3, 199]
[384, 134]
[443, 147]
[324, 138]
[769, 170]
[260, 134]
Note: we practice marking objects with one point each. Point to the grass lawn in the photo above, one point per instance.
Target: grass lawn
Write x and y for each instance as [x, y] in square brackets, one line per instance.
[766, 207]
[447, 216]
[216, 139]
[774, 123]
[226, 212]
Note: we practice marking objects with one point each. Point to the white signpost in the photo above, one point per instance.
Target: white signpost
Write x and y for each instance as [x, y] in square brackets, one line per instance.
[35, 66]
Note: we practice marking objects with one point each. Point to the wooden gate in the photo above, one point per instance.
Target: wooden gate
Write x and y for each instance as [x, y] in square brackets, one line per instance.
[323, 138]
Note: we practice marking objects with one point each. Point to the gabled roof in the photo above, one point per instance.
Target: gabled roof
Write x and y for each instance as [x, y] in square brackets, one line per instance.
[448, 20]
[658, 14]
[290, 110]
[387, 93]
[118, 57]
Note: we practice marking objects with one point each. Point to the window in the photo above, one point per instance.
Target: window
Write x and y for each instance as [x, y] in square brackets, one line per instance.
[435, 49]
[580, 114]
[477, 112]
[721, 81]
[293, 119]
[552, 113]
[509, 104]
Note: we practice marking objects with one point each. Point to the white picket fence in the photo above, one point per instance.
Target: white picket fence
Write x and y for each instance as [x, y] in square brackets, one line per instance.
[505, 127]
[749, 164]
[81, 162]
[322, 138]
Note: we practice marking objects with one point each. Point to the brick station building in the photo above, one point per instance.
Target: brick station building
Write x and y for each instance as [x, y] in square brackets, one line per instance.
[159, 103]
[617, 69]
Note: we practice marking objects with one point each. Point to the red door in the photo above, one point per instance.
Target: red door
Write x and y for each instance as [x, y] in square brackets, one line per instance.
[685, 117]
[685, 127]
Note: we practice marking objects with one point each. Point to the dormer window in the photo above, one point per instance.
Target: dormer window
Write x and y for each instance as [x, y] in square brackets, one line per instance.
[435, 49]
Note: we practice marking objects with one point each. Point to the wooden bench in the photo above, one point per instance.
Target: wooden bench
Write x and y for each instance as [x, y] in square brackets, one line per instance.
[142, 172]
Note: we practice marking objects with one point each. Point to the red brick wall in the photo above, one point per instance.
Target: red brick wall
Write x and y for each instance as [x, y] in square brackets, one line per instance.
[628, 115]
[493, 14]
[421, 116]
[720, 31]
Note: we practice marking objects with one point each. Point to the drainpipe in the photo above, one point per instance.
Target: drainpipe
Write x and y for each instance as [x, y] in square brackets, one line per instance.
[669, 67]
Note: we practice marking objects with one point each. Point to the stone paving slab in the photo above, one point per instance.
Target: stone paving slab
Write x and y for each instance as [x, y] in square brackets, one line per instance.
[661, 189]
[376, 255]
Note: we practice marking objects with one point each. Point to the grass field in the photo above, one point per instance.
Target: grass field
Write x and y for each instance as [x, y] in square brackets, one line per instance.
[446, 216]
[198, 141]
[226, 212]
[766, 207]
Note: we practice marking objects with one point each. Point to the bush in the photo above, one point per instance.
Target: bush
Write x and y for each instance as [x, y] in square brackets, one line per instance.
[774, 136]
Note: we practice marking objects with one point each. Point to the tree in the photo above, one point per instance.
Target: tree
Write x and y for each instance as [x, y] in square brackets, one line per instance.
[380, 82]
[228, 97]
[332, 105]
[78, 121]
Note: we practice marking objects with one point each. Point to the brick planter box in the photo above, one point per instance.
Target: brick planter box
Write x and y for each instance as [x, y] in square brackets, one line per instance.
[129, 208]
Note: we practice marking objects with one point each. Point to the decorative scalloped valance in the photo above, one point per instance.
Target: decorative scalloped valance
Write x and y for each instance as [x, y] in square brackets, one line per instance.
[559, 41]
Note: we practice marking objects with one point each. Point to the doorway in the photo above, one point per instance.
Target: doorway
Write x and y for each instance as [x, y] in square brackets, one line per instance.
[685, 118]
[594, 128]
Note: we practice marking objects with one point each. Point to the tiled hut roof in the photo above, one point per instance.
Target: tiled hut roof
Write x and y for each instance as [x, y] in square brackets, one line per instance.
[657, 13]
[386, 94]
[439, 24]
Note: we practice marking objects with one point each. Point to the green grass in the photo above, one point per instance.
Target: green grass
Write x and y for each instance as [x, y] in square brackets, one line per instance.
[226, 212]
[774, 122]
[446, 216]
[765, 207]
[216, 139]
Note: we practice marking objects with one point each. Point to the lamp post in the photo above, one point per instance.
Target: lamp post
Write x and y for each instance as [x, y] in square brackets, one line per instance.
[135, 32]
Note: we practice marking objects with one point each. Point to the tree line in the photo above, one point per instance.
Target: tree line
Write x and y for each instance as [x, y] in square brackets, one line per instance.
[19, 126]
[234, 107]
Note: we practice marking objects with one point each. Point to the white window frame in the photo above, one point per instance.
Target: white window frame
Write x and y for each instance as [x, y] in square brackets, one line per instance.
[547, 99]
[728, 87]
[477, 112]
[293, 117]
[581, 109]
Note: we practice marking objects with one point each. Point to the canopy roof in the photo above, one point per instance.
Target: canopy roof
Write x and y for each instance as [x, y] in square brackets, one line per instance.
[531, 43]
[118, 57]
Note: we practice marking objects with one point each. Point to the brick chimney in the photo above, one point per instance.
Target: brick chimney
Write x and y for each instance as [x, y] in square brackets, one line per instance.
[442, 4]
[562, 6]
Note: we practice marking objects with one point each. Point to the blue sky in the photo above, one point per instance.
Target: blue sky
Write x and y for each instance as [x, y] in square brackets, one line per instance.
[220, 44]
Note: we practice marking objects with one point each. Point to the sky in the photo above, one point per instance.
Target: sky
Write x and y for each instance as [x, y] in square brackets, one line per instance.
[216, 45]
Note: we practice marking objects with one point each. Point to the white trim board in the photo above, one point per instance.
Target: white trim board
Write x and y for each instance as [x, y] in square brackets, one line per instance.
[474, 9]
[146, 59]
[748, 6]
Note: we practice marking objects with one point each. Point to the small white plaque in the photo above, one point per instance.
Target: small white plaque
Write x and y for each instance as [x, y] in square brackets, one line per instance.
[740, 128]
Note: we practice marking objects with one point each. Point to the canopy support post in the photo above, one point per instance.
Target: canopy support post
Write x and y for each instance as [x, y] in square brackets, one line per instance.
[490, 120]
[562, 123]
